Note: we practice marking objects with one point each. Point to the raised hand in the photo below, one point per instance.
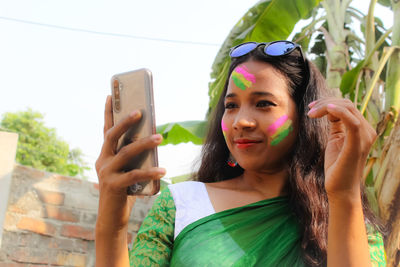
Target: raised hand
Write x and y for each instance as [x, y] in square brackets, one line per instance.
[350, 140]
[114, 203]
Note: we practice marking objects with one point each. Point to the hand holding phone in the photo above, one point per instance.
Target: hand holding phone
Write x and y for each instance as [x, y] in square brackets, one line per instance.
[115, 205]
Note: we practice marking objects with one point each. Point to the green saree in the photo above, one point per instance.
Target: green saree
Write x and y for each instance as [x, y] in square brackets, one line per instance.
[264, 233]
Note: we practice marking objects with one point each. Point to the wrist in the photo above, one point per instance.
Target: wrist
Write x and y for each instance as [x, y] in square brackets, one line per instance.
[345, 199]
[107, 232]
[113, 214]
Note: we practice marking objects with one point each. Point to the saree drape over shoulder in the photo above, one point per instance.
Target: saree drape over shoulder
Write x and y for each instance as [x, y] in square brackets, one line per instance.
[264, 233]
[182, 229]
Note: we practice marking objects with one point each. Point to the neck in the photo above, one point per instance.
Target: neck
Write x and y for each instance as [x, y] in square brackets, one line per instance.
[268, 183]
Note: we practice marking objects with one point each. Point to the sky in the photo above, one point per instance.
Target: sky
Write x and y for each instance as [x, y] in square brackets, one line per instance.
[64, 70]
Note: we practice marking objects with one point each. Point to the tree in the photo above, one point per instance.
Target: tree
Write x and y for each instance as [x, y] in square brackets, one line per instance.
[40, 147]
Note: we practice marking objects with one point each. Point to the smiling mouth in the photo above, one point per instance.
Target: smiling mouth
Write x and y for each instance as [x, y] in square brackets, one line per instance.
[245, 143]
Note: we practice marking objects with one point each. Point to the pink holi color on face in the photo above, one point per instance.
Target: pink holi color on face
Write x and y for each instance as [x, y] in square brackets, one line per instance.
[278, 123]
[247, 75]
[223, 126]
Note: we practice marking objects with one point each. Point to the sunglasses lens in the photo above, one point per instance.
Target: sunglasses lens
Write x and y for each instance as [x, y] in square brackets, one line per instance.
[279, 48]
[243, 49]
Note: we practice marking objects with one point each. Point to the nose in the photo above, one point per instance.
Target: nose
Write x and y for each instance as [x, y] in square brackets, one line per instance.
[244, 121]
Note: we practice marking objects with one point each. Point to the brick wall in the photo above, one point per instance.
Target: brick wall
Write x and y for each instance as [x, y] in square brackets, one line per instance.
[50, 220]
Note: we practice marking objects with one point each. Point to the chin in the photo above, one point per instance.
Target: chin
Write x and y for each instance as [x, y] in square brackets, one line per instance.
[257, 166]
[253, 166]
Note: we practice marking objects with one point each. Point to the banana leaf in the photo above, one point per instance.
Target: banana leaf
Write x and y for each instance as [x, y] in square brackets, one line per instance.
[183, 132]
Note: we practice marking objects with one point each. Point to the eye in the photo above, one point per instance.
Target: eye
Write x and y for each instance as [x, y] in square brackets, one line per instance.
[230, 105]
[264, 103]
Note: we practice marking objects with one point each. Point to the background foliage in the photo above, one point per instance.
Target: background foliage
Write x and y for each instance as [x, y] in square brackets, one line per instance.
[40, 147]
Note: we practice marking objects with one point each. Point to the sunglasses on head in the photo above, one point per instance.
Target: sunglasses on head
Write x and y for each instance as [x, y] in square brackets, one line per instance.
[273, 49]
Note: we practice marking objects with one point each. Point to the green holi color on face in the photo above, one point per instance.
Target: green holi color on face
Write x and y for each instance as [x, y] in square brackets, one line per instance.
[238, 82]
[281, 136]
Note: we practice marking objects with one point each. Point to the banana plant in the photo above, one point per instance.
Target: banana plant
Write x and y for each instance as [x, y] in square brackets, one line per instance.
[372, 81]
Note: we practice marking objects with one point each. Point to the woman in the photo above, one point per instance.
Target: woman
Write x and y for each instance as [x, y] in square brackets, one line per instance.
[280, 181]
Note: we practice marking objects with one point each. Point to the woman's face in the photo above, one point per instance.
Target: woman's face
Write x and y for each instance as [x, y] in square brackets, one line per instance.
[260, 119]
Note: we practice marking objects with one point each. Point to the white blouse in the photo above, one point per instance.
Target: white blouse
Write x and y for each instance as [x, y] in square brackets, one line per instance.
[191, 203]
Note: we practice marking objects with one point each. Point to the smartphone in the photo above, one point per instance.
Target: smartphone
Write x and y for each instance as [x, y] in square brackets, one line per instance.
[133, 90]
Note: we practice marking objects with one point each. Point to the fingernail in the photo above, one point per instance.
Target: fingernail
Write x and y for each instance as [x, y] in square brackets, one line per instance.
[332, 106]
[156, 137]
[161, 171]
[133, 114]
[311, 111]
[312, 103]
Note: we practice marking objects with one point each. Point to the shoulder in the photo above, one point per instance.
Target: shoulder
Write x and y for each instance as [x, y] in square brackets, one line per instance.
[191, 202]
[191, 186]
[189, 192]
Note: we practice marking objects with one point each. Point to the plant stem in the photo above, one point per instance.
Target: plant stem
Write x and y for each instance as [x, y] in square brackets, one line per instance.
[393, 72]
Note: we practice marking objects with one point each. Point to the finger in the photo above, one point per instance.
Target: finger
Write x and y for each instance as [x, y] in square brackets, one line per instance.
[114, 133]
[108, 116]
[312, 104]
[127, 153]
[332, 100]
[365, 125]
[340, 114]
[137, 175]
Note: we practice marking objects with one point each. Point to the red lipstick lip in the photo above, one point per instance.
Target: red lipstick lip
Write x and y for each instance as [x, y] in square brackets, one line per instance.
[245, 143]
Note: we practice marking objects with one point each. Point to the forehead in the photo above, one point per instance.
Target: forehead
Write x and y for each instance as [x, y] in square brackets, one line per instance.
[263, 77]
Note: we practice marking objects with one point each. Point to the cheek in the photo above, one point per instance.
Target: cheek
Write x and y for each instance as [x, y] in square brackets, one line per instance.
[280, 129]
[224, 128]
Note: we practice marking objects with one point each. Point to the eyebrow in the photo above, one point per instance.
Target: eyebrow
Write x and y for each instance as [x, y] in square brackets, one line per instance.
[256, 93]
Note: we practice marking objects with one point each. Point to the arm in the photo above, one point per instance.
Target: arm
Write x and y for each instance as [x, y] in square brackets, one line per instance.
[154, 241]
[350, 139]
[114, 203]
[347, 237]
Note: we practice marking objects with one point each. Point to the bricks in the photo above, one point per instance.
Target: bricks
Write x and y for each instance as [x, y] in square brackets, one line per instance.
[89, 218]
[29, 171]
[34, 240]
[16, 209]
[51, 197]
[77, 231]
[31, 255]
[50, 220]
[129, 238]
[37, 226]
[61, 243]
[81, 245]
[13, 265]
[96, 186]
[70, 259]
[61, 214]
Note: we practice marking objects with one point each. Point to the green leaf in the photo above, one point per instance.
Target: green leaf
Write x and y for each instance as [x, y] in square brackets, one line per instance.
[180, 178]
[183, 132]
[163, 184]
[321, 63]
[266, 21]
[385, 3]
[303, 38]
[349, 79]
[371, 196]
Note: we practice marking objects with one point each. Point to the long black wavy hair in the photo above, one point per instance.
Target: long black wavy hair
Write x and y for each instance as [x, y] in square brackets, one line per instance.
[307, 195]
